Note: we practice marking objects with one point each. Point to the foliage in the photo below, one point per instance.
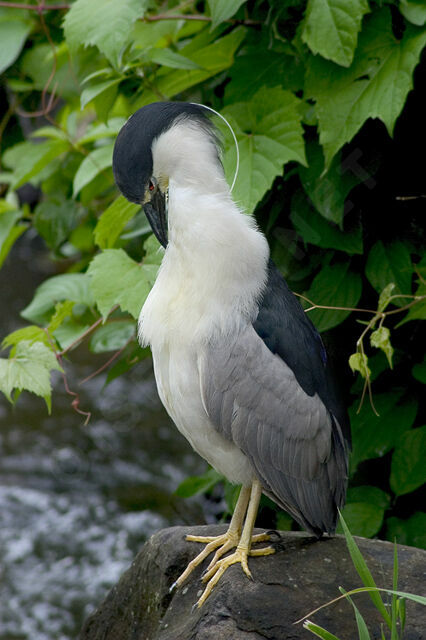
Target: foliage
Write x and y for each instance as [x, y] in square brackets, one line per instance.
[314, 90]
[395, 618]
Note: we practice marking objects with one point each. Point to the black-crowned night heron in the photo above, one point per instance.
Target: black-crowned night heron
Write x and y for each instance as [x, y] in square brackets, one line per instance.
[239, 367]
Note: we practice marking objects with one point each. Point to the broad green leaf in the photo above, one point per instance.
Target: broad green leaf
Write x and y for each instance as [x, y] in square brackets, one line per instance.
[68, 286]
[363, 571]
[154, 252]
[49, 132]
[380, 338]
[131, 355]
[97, 130]
[29, 369]
[92, 165]
[194, 485]
[408, 470]
[385, 296]
[70, 331]
[222, 10]
[314, 229]
[363, 518]
[370, 494]
[419, 371]
[169, 58]
[117, 279]
[331, 28]
[373, 436]
[411, 531]
[328, 191]
[211, 59]
[257, 61]
[113, 220]
[28, 159]
[13, 33]
[375, 86]
[269, 134]
[29, 334]
[94, 90]
[335, 286]
[359, 362]
[105, 24]
[112, 336]
[40, 61]
[55, 219]
[390, 263]
[414, 11]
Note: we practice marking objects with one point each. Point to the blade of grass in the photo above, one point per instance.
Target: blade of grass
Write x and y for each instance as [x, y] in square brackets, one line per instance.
[401, 613]
[318, 631]
[360, 622]
[364, 572]
[394, 629]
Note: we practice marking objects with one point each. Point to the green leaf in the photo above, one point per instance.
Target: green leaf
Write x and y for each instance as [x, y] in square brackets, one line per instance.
[363, 571]
[105, 24]
[371, 495]
[55, 219]
[375, 86]
[257, 61]
[314, 229]
[92, 165]
[97, 130]
[195, 485]
[414, 11]
[63, 310]
[381, 340]
[68, 286]
[9, 230]
[211, 59]
[335, 286]
[390, 264]
[154, 252]
[328, 191]
[269, 134]
[411, 531]
[29, 369]
[117, 279]
[363, 519]
[363, 633]
[373, 436]
[169, 58]
[408, 470]
[112, 336]
[95, 90]
[385, 296]
[417, 311]
[113, 220]
[29, 334]
[331, 28]
[222, 10]
[70, 331]
[419, 371]
[13, 33]
[28, 159]
[359, 362]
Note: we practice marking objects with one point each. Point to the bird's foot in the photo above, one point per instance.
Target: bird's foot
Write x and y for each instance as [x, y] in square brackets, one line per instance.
[222, 544]
[216, 569]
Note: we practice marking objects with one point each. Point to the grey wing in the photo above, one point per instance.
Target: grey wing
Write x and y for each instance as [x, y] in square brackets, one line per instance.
[293, 441]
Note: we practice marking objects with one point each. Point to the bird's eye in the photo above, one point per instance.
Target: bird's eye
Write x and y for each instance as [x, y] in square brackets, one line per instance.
[151, 185]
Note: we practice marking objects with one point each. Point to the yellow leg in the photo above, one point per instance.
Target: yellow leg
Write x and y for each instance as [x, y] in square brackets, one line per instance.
[217, 568]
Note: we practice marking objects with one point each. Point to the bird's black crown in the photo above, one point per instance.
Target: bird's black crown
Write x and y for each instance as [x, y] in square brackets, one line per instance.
[132, 157]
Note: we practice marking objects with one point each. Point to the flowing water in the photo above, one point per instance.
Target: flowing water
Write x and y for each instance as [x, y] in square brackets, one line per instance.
[77, 502]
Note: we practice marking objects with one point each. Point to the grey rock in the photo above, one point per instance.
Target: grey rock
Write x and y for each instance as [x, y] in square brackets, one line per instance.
[303, 574]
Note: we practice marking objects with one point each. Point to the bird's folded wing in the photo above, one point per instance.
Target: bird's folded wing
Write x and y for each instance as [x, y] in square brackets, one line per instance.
[295, 445]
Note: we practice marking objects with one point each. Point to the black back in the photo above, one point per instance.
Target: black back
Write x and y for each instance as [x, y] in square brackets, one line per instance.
[287, 331]
[132, 157]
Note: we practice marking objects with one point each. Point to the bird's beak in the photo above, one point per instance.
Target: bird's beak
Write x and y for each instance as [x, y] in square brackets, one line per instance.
[156, 212]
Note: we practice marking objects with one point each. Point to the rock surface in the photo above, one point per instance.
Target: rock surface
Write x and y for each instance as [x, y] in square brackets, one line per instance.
[303, 574]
